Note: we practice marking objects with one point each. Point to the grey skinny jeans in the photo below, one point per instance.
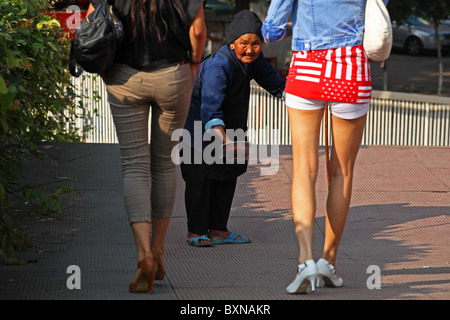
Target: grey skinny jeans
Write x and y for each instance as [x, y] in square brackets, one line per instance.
[149, 174]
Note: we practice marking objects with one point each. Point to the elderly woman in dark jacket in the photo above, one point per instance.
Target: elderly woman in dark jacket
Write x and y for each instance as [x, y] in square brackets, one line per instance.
[219, 102]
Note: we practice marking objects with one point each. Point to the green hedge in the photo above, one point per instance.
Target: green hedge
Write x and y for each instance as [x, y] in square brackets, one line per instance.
[36, 104]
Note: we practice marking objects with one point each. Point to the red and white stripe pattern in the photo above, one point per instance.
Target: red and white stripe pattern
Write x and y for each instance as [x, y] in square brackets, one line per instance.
[341, 74]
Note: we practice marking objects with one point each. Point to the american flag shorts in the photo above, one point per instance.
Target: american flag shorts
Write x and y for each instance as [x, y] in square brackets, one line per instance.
[340, 75]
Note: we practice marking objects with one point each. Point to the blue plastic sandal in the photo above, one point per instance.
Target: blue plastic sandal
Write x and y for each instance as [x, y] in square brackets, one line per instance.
[195, 241]
[232, 239]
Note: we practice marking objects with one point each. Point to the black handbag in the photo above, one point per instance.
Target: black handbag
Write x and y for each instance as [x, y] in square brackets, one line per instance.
[96, 41]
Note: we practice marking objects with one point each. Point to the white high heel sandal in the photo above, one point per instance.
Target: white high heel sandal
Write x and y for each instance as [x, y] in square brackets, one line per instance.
[327, 273]
[307, 274]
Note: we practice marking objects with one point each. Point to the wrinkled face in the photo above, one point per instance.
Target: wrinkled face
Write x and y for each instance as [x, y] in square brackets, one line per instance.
[247, 47]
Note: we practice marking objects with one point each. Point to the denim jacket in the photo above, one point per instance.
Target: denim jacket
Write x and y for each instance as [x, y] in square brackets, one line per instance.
[316, 24]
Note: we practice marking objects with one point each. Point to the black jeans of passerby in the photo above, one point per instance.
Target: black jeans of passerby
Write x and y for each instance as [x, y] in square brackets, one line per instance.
[208, 201]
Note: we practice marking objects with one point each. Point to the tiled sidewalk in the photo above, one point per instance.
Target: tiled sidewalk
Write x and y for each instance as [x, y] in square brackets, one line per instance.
[398, 222]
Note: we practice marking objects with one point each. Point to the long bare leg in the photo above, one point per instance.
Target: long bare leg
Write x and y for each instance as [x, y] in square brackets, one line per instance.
[347, 135]
[159, 230]
[305, 125]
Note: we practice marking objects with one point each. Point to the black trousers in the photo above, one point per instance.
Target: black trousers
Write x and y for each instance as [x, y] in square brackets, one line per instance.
[208, 201]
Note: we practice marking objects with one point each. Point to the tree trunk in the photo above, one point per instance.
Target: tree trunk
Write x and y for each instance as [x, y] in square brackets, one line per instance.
[385, 76]
[439, 54]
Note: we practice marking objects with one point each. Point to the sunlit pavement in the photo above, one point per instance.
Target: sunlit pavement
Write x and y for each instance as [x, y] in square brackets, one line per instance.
[395, 245]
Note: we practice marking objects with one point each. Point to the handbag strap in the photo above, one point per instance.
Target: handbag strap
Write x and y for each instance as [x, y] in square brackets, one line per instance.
[73, 65]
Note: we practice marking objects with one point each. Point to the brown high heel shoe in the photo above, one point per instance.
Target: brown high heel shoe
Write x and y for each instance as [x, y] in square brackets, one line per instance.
[161, 268]
[148, 270]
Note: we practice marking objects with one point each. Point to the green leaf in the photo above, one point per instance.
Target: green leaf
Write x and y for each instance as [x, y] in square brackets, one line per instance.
[40, 25]
[4, 124]
[6, 100]
[11, 61]
[3, 88]
[47, 22]
[55, 23]
[8, 221]
[15, 261]
[38, 46]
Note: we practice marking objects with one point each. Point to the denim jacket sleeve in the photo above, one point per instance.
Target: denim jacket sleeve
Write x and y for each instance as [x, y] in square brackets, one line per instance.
[274, 26]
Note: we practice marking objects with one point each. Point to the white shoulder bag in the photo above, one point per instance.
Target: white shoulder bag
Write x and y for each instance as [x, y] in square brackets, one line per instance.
[377, 40]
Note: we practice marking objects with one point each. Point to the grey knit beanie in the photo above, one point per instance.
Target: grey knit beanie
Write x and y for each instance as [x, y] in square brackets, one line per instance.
[243, 22]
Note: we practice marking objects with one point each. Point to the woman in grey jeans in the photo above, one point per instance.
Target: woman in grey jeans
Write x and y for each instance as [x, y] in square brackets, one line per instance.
[154, 71]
